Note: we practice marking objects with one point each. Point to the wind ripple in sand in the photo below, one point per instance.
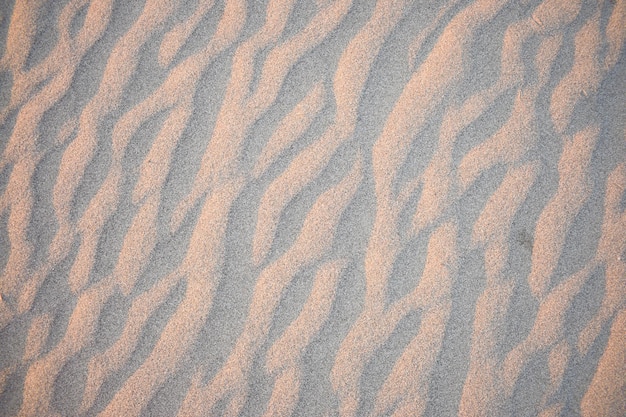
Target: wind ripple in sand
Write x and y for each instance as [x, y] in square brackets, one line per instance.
[235, 208]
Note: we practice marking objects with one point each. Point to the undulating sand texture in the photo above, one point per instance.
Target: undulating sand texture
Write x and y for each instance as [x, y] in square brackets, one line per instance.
[313, 208]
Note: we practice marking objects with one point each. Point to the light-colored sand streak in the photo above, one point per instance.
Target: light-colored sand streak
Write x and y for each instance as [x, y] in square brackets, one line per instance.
[420, 97]
[134, 252]
[348, 83]
[284, 357]
[313, 242]
[21, 149]
[605, 394]
[465, 199]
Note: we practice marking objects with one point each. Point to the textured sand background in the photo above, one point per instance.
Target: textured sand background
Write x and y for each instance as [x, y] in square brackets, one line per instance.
[313, 208]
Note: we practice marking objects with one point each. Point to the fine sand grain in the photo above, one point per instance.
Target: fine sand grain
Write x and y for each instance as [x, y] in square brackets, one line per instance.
[315, 208]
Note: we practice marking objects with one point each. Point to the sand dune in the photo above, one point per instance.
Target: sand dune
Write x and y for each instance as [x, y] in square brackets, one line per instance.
[334, 207]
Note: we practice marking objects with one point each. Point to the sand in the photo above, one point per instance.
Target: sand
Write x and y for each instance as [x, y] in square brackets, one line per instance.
[317, 208]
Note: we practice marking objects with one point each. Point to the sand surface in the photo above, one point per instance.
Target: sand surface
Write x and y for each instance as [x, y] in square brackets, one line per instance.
[313, 208]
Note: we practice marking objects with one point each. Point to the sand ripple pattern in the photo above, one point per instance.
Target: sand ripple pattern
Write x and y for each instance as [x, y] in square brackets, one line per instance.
[320, 208]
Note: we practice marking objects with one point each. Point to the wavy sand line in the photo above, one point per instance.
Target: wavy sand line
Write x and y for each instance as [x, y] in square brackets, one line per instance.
[92, 224]
[520, 144]
[313, 242]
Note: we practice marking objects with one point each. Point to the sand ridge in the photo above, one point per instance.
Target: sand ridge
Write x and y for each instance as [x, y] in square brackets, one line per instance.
[199, 219]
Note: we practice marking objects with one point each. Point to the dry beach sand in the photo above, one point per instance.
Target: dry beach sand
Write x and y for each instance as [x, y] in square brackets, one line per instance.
[313, 208]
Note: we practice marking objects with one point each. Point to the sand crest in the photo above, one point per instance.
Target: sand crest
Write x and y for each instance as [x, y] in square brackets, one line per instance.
[337, 207]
